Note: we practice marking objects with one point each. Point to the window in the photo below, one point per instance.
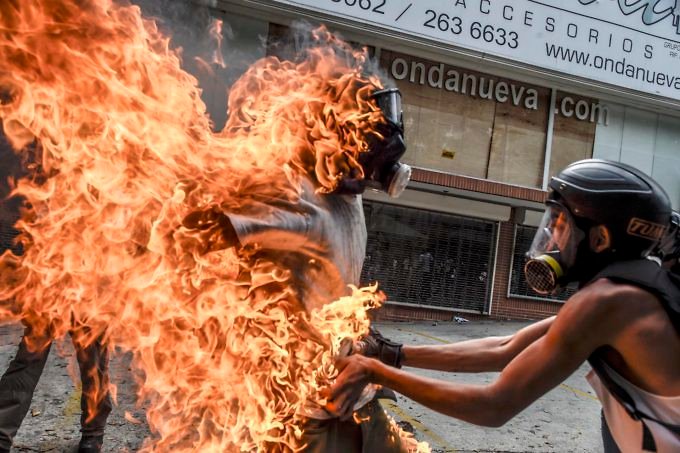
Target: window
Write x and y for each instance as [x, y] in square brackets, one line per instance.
[646, 140]
[470, 123]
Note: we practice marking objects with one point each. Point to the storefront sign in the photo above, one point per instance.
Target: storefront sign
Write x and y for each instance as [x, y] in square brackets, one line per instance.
[457, 80]
[629, 43]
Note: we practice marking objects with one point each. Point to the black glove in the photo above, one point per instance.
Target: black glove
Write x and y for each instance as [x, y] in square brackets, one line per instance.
[376, 346]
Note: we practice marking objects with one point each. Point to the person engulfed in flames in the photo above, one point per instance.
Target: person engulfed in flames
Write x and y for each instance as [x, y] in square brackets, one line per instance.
[317, 241]
[223, 262]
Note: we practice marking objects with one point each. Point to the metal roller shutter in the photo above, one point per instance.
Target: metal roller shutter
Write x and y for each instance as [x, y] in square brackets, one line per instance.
[429, 258]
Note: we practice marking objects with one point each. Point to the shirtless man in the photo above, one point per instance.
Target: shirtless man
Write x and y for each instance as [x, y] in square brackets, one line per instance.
[602, 220]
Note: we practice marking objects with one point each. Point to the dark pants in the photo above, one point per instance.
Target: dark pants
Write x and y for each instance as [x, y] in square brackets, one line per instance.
[22, 375]
[373, 435]
[607, 439]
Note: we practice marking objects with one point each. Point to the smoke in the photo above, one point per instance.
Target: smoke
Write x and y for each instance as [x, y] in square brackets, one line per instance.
[216, 61]
[191, 27]
[291, 43]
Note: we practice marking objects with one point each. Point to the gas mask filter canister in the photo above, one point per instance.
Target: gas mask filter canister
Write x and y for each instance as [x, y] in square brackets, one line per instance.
[398, 178]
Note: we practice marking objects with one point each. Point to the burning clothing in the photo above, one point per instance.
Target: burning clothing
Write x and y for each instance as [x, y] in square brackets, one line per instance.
[373, 434]
[128, 152]
[320, 239]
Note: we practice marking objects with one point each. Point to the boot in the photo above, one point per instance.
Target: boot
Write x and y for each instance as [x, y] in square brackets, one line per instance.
[91, 444]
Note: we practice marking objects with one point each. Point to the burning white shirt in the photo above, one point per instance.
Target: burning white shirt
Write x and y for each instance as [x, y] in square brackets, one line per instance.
[320, 239]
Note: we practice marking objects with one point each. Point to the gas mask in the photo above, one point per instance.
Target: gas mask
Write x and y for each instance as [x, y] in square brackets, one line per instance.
[381, 166]
[553, 252]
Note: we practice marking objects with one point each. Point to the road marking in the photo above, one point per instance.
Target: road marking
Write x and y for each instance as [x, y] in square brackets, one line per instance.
[579, 392]
[424, 335]
[564, 386]
[394, 407]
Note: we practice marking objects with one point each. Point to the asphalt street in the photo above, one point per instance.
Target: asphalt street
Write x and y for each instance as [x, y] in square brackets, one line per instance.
[564, 420]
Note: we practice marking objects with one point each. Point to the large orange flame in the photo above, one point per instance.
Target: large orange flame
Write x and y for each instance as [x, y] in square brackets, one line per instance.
[122, 153]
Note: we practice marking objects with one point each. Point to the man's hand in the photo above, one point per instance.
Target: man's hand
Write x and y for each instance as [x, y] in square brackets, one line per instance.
[376, 346]
[355, 374]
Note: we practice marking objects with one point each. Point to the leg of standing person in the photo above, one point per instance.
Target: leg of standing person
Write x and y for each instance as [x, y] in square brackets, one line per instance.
[95, 402]
[18, 384]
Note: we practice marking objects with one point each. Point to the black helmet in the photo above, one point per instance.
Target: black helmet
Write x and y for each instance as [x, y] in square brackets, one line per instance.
[633, 206]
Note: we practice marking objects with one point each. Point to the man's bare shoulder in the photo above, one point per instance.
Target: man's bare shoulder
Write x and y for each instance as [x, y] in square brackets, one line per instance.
[642, 343]
[612, 302]
[599, 312]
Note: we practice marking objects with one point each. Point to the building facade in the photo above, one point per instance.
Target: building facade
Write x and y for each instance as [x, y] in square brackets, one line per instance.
[498, 97]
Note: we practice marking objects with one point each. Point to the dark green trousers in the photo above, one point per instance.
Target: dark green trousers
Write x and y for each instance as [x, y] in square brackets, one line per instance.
[19, 381]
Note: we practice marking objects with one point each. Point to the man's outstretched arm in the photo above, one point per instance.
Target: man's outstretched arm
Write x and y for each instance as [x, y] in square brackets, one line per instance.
[585, 323]
[474, 356]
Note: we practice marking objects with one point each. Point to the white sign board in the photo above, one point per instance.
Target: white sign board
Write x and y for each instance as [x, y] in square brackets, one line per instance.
[629, 43]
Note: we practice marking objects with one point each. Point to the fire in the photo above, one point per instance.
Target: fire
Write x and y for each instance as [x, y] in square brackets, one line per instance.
[123, 157]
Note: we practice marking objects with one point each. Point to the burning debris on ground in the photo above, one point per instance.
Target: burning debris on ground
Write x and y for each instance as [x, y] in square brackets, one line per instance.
[125, 237]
